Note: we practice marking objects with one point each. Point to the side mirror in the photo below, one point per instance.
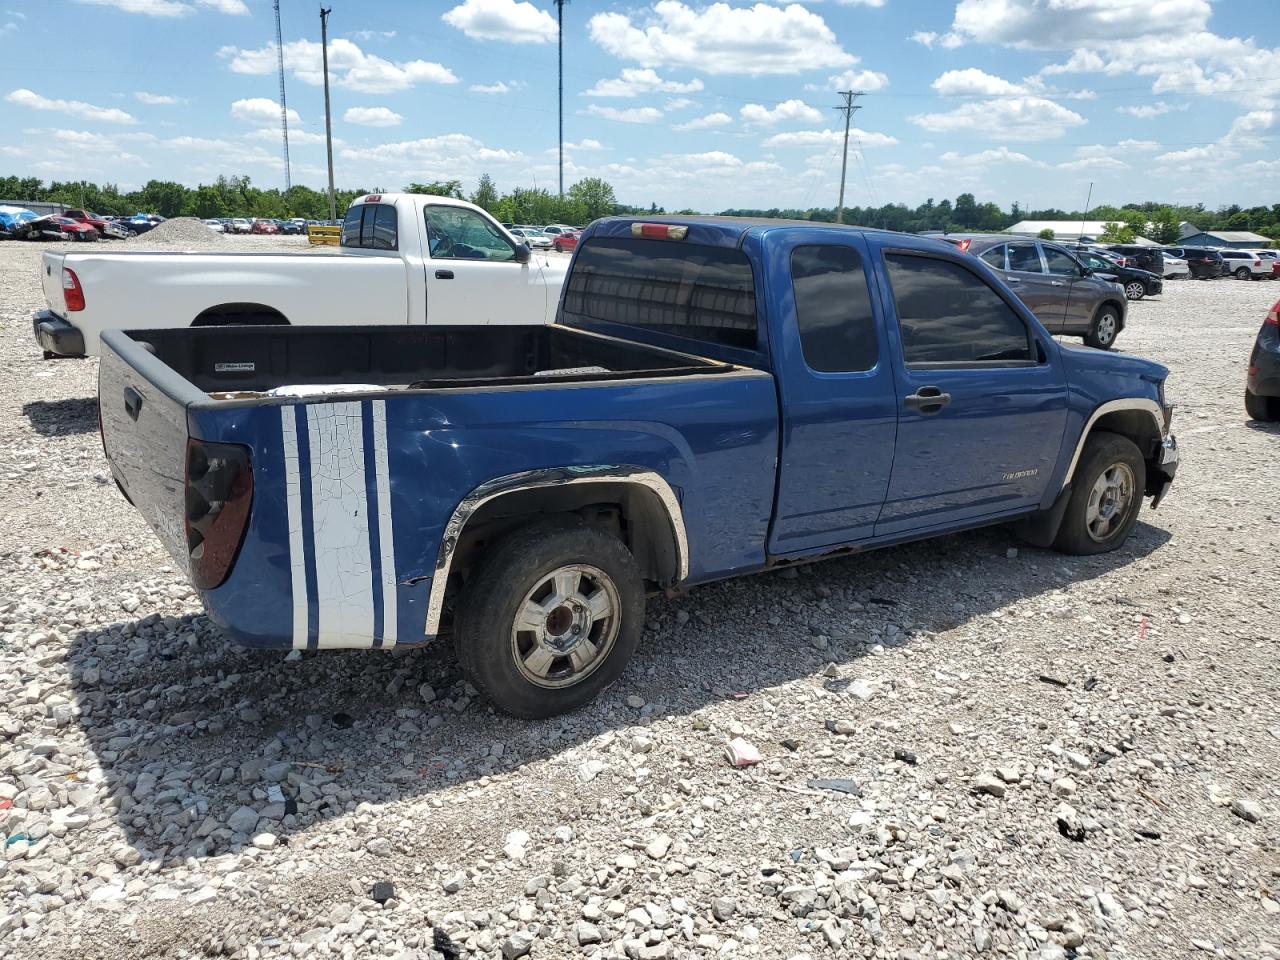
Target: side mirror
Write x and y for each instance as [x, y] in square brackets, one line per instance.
[1086, 271]
[523, 253]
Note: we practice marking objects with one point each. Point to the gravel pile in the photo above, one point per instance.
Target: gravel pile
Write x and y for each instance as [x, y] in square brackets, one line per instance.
[970, 748]
[180, 231]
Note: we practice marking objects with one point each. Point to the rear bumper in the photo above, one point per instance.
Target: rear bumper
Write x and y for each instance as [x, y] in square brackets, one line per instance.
[57, 335]
[1264, 366]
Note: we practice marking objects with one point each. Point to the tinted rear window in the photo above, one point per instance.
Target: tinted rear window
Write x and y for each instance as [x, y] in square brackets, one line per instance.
[371, 226]
[683, 289]
[833, 309]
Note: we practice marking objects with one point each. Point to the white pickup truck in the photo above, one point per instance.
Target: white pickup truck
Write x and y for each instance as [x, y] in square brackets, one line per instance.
[404, 259]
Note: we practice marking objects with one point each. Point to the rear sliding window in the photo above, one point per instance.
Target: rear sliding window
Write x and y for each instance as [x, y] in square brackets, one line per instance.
[683, 289]
[371, 226]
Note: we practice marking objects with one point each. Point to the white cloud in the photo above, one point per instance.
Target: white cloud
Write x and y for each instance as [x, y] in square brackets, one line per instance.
[506, 20]
[1081, 61]
[633, 115]
[372, 117]
[1094, 163]
[1138, 145]
[925, 37]
[678, 103]
[585, 144]
[864, 81]
[759, 115]
[235, 8]
[374, 34]
[814, 138]
[705, 123]
[498, 86]
[349, 66]
[973, 82]
[156, 99]
[1147, 110]
[719, 39]
[439, 157]
[1063, 24]
[997, 155]
[296, 135]
[29, 98]
[634, 81]
[261, 111]
[7, 27]
[1015, 118]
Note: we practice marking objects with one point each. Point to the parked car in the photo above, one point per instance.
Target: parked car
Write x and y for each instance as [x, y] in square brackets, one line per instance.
[555, 229]
[1262, 392]
[261, 226]
[1175, 268]
[1136, 283]
[1150, 259]
[520, 489]
[75, 229]
[240, 225]
[536, 239]
[47, 227]
[288, 227]
[1064, 295]
[215, 225]
[106, 227]
[565, 242]
[1203, 263]
[140, 223]
[1245, 264]
[1274, 257]
[474, 273]
[13, 221]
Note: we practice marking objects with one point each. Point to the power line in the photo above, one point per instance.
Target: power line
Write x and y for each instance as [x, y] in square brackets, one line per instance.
[848, 108]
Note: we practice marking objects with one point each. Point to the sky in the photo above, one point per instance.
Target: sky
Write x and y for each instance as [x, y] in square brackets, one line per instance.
[679, 102]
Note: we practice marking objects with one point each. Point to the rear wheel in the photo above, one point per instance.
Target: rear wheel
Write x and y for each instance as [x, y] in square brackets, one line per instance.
[1106, 496]
[1135, 290]
[1103, 330]
[1242, 273]
[550, 618]
[1265, 409]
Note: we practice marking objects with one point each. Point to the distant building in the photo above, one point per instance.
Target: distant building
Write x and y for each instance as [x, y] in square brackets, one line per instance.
[1069, 231]
[1242, 239]
[36, 206]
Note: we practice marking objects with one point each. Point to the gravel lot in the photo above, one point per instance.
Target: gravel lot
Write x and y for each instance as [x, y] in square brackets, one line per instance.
[165, 794]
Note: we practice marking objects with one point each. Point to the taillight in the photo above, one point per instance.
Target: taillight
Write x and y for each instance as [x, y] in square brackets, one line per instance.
[964, 245]
[219, 493]
[72, 292]
[1273, 318]
[658, 231]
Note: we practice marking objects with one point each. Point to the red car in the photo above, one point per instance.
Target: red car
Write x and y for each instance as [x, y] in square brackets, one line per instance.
[75, 229]
[89, 217]
[565, 242]
[263, 226]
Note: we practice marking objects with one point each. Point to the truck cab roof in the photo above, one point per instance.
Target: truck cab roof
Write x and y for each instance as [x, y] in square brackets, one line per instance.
[719, 231]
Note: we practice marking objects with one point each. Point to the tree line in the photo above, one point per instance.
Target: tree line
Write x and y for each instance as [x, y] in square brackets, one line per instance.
[593, 197]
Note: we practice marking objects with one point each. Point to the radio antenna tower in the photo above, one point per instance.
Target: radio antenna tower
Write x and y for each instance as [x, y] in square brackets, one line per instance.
[284, 109]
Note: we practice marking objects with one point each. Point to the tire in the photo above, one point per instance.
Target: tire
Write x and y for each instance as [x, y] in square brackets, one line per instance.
[1104, 328]
[1263, 409]
[1135, 290]
[1106, 496]
[518, 668]
[1242, 273]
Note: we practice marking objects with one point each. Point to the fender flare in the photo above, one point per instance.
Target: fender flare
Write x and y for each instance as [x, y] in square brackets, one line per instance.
[1112, 406]
[543, 478]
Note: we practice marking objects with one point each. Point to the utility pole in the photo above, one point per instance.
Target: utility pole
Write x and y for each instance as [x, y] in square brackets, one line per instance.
[848, 108]
[560, 60]
[328, 121]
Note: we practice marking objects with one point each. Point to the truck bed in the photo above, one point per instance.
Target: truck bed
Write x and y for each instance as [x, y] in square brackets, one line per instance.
[245, 363]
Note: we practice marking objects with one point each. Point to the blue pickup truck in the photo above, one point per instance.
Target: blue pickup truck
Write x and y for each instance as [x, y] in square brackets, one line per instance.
[717, 397]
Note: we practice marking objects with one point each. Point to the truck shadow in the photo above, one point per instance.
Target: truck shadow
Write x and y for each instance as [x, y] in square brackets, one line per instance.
[188, 728]
[54, 418]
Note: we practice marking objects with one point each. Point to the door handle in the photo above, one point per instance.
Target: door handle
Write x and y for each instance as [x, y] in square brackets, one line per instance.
[1056, 283]
[444, 274]
[1012, 280]
[928, 400]
[132, 402]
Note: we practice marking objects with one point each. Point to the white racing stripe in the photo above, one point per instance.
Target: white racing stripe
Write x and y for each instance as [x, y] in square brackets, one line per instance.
[385, 542]
[340, 526]
[293, 501]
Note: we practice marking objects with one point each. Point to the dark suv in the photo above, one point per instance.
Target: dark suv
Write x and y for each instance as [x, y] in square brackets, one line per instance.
[1063, 293]
[1203, 263]
[1262, 392]
[1150, 259]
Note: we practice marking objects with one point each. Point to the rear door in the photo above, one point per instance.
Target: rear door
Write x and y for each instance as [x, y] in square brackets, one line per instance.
[143, 405]
[1026, 276]
[982, 400]
[839, 406]
[1065, 277]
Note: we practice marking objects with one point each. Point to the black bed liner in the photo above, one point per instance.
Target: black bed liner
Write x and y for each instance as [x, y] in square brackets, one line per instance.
[255, 359]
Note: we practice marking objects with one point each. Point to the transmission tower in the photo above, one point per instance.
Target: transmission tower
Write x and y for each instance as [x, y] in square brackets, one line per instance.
[284, 109]
[848, 108]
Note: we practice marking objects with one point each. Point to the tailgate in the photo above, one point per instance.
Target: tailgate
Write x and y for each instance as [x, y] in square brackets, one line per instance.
[51, 280]
[143, 405]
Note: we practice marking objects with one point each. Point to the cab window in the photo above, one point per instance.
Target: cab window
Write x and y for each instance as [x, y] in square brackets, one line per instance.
[456, 233]
[1059, 264]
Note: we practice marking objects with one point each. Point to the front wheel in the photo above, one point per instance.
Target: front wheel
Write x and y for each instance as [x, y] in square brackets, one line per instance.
[1264, 409]
[1135, 290]
[1103, 330]
[550, 618]
[1106, 496]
